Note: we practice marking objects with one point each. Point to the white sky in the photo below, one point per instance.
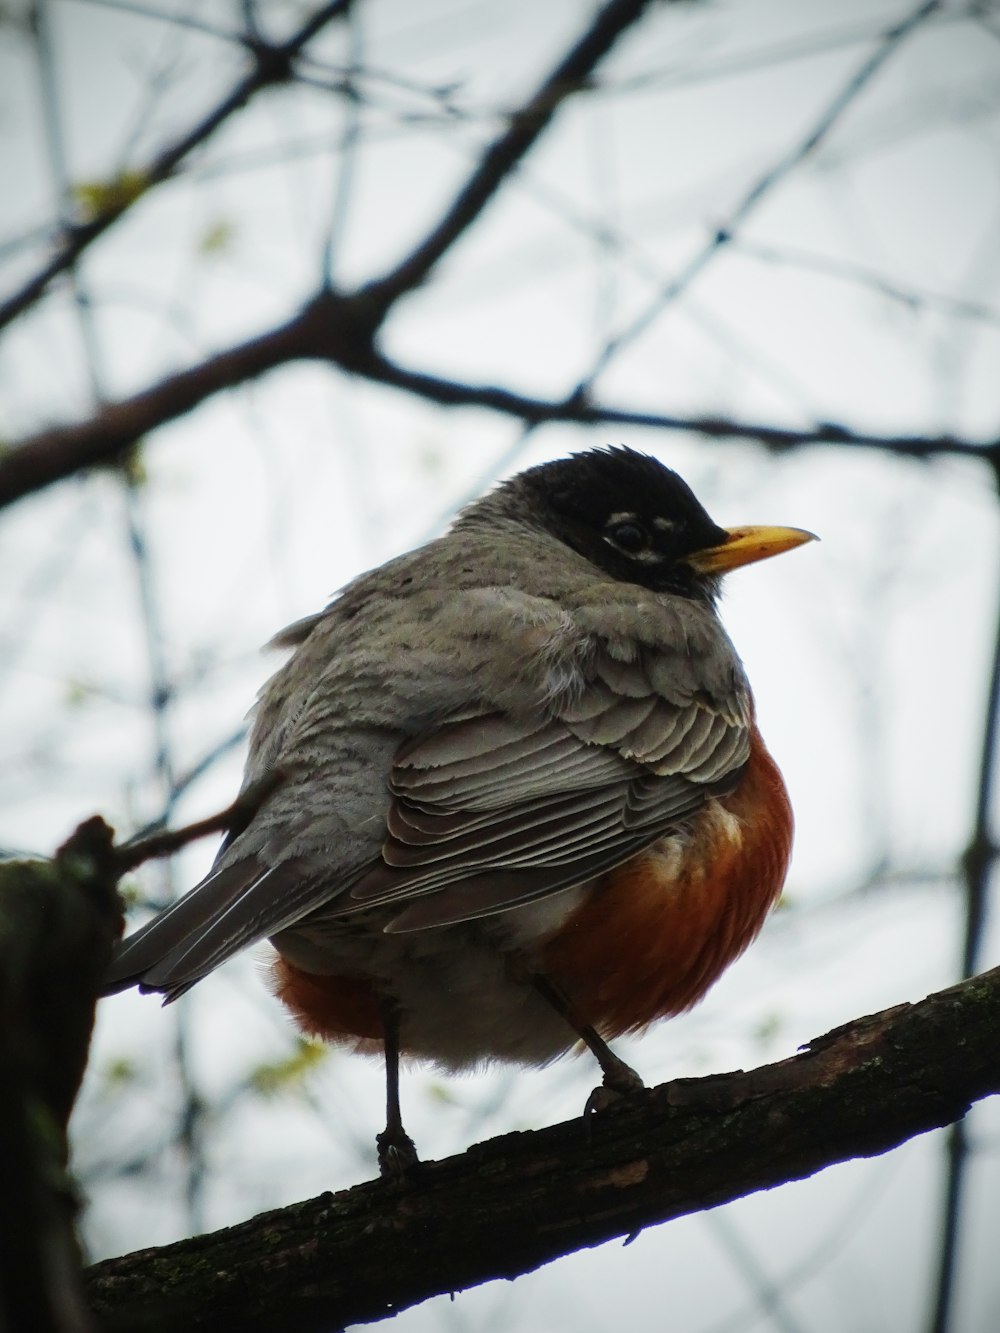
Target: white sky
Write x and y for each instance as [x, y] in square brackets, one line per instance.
[868, 653]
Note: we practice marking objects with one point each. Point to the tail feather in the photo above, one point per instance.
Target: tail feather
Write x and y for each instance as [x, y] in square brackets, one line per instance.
[143, 952]
[232, 908]
[260, 908]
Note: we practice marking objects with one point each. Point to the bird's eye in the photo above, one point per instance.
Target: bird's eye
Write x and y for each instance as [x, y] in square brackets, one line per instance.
[628, 536]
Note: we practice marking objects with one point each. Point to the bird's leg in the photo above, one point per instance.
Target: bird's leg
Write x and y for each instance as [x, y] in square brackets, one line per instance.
[619, 1078]
[396, 1150]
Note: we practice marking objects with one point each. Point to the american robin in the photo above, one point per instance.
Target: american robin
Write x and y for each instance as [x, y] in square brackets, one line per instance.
[517, 793]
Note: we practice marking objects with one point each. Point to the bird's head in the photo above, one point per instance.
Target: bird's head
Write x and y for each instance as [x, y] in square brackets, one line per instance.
[637, 521]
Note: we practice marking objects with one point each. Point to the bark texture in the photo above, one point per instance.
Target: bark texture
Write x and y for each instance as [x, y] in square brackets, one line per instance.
[510, 1205]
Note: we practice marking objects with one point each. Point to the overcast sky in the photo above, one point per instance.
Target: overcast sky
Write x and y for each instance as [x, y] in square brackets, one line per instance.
[862, 288]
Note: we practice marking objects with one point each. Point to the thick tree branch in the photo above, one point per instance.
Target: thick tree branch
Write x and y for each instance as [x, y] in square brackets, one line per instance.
[338, 328]
[61, 451]
[341, 329]
[271, 64]
[510, 1205]
[580, 408]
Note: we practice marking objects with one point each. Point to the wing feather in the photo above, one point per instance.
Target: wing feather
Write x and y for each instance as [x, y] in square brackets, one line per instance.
[484, 812]
[474, 830]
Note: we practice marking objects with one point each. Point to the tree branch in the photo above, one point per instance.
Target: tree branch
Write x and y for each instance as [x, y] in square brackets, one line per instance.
[61, 451]
[891, 39]
[526, 126]
[58, 923]
[341, 329]
[272, 64]
[334, 327]
[515, 1203]
[166, 842]
[978, 865]
[579, 407]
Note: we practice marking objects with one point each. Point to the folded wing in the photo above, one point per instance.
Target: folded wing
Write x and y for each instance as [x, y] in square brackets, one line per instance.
[483, 813]
[489, 813]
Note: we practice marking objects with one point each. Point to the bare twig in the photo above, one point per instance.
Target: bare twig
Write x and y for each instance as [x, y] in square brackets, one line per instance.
[502, 156]
[912, 298]
[271, 64]
[168, 841]
[978, 863]
[763, 186]
[188, 20]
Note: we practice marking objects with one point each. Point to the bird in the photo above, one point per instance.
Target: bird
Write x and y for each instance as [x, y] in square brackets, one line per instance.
[515, 801]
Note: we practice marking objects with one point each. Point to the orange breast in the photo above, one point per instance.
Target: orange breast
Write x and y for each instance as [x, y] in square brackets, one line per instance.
[660, 930]
[342, 1010]
[648, 942]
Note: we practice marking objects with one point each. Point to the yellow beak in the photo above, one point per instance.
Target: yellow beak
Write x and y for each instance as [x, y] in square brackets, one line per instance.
[745, 545]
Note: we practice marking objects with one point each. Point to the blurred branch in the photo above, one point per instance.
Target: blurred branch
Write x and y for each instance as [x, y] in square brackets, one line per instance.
[341, 329]
[191, 775]
[981, 854]
[580, 408]
[765, 184]
[182, 20]
[770, 1296]
[508, 1206]
[191, 1118]
[978, 864]
[913, 299]
[337, 328]
[58, 922]
[527, 124]
[271, 64]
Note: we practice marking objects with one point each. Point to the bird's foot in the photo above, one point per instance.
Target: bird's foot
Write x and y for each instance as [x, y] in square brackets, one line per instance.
[397, 1153]
[620, 1080]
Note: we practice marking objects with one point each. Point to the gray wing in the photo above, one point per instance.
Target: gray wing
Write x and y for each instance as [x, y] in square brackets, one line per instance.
[489, 813]
[483, 813]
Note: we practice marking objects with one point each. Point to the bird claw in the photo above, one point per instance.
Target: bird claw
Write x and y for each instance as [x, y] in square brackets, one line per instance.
[397, 1154]
[618, 1083]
